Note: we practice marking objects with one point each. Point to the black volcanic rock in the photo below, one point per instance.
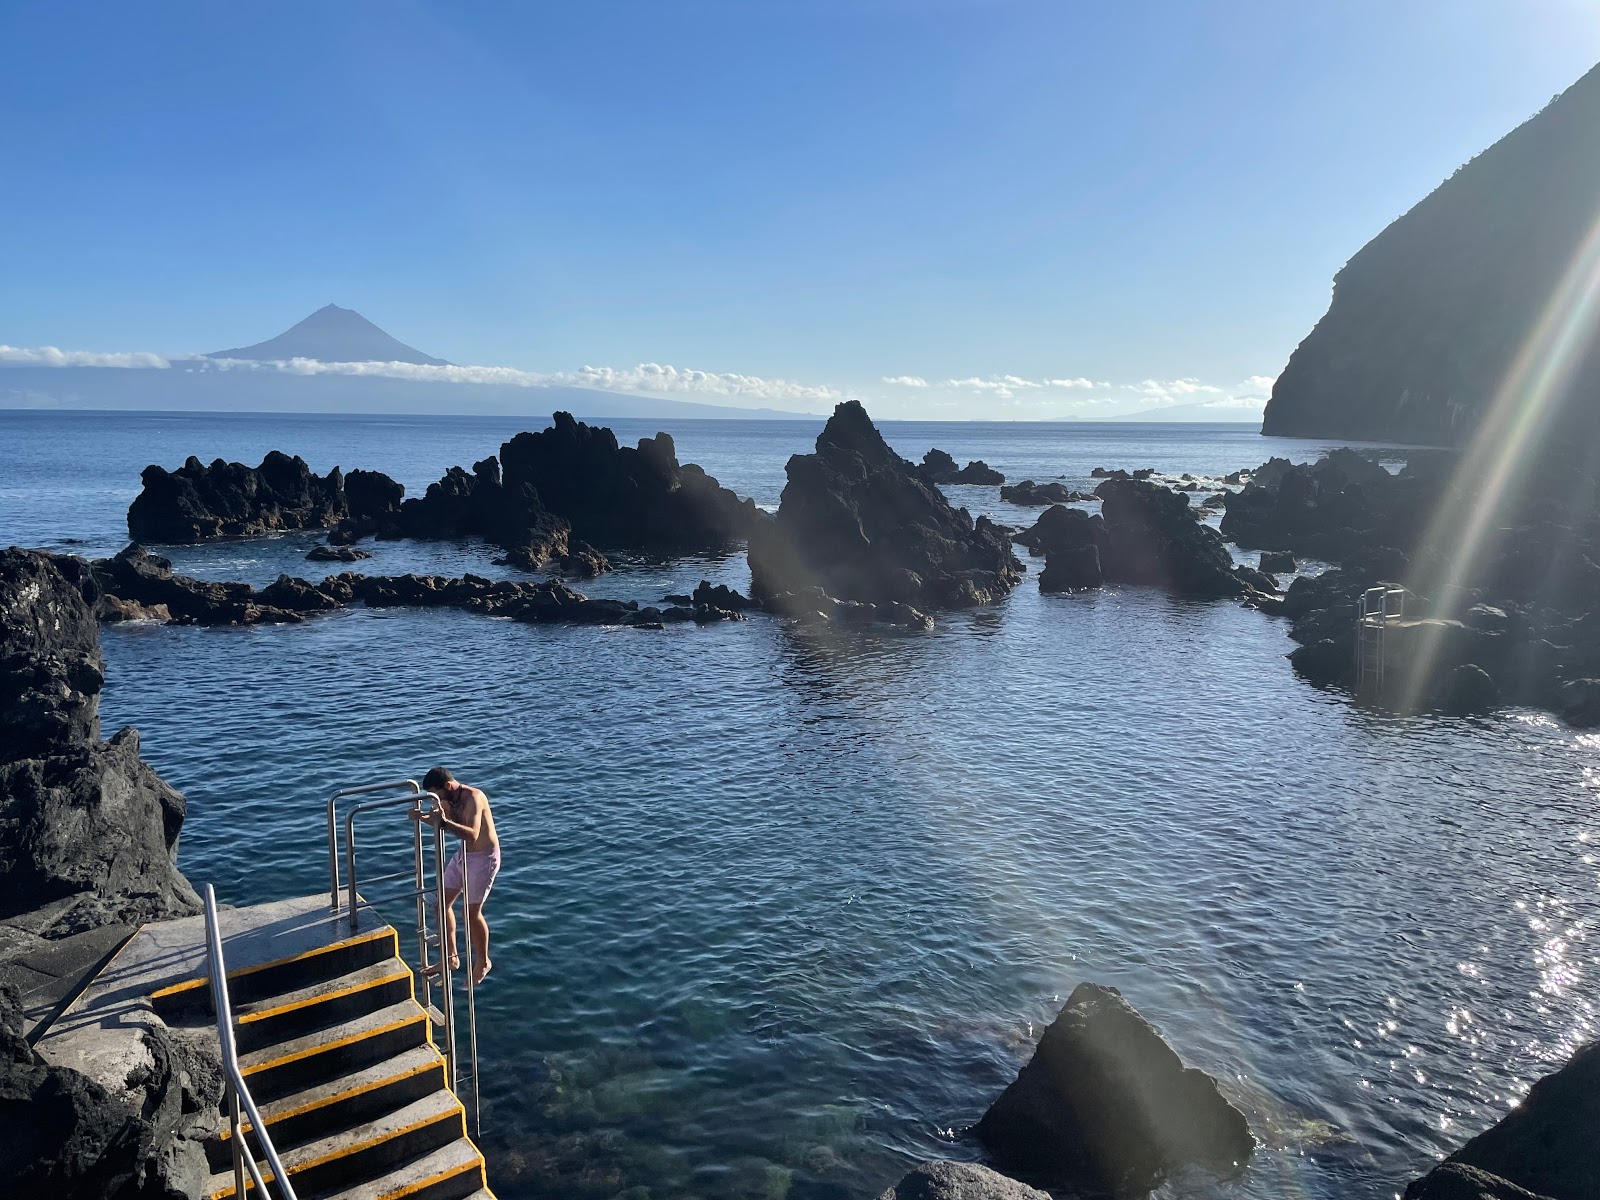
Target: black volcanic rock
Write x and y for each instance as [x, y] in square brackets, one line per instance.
[1427, 318]
[1030, 493]
[636, 498]
[1105, 1106]
[1156, 538]
[959, 1181]
[80, 819]
[939, 467]
[1544, 1148]
[1332, 507]
[135, 576]
[861, 523]
[197, 502]
[332, 334]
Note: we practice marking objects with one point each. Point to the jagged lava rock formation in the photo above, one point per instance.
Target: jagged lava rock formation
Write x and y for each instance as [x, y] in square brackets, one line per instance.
[545, 499]
[88, 846]
[1105, 1106]
[862, 524]
[85, 825]
[1427, 318]
[197, 502]
[938, 467]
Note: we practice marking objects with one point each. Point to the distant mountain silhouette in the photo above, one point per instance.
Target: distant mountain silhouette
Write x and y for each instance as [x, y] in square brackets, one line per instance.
[1429, 316]
[333, 334]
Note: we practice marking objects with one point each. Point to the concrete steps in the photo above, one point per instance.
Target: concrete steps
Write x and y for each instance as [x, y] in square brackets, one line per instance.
[339, 1058]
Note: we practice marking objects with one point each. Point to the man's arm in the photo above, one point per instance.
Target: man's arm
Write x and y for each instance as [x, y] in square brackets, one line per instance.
[468, 829]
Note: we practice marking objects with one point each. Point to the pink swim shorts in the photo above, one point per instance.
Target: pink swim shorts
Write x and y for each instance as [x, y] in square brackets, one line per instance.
[480, 867]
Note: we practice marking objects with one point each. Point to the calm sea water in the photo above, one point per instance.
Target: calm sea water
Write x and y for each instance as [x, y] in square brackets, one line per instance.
[783, 912]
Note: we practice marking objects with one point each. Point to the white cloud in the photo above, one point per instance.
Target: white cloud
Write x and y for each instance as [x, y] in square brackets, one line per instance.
[646, 378]
[915, 381]
[1262, 382]
[1007, 386]
[49, 356]
[653, 378]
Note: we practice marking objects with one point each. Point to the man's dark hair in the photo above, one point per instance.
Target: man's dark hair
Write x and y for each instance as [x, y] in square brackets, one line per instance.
[437, 777]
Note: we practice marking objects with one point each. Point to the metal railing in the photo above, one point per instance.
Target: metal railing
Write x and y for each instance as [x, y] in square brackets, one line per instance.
[418, 893]
[1379, 606]
[236, 1092]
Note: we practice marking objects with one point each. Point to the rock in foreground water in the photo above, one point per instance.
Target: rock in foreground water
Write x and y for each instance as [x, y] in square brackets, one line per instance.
[861, 523]
[1546, 1147]
[959, 1181]
[1106, 1106]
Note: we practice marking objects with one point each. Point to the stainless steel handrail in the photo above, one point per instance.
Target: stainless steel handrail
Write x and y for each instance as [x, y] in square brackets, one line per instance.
[238, 1092]
[415, 789]
[350, 844]
[441, 909]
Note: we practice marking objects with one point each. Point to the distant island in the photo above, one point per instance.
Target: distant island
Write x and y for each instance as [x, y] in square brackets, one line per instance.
[333, 361]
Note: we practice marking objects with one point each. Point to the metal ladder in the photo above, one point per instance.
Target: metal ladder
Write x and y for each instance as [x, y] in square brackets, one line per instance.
[421, 891]
[1379, 606]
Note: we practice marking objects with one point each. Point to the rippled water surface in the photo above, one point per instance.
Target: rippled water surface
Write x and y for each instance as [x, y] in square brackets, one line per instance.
[783, 912]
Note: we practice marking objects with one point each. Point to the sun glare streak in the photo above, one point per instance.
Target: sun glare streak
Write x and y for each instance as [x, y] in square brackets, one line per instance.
[1508, 439]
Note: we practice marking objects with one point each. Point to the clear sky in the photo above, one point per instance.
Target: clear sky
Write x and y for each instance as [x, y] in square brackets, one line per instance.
[800, 199]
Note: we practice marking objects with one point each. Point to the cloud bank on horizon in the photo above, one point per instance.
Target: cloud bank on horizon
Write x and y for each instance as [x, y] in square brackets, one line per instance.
[1002, 397]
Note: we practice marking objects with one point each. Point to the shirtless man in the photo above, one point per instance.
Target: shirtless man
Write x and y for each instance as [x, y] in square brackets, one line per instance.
[464, 811]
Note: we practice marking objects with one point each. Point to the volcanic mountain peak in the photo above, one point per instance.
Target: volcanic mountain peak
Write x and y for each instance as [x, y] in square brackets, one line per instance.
[333, 334]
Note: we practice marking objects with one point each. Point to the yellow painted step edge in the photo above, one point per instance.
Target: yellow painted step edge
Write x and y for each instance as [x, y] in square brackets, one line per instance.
[411, 1189]
[459, 1114]
[404, 972]
[324, 1047]
[437, 1064]
[204, 980]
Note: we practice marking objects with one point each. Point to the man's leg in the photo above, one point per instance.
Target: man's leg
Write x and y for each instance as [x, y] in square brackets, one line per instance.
[447, 942]
[478, 931]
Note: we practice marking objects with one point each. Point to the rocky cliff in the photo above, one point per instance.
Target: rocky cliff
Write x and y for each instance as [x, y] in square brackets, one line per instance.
[88, 845]
[1427, 319]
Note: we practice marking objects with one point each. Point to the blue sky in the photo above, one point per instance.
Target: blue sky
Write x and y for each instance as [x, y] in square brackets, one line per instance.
[799, 200]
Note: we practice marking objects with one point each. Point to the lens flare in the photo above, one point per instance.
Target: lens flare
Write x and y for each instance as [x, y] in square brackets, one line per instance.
[1507, 444]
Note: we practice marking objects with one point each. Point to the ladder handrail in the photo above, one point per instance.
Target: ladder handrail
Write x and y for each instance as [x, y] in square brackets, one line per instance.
[333, 827]
[415, 796]
[238, 1091]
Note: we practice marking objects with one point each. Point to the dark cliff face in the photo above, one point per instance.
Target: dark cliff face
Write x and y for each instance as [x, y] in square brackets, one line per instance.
[1428, 318]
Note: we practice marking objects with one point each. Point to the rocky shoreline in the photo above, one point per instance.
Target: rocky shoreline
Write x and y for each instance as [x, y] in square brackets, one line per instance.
[88, 832]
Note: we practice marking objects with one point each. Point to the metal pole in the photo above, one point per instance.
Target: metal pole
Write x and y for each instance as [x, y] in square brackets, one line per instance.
[422, 916]
[350, 862]
[238, 1141]
[448, 993]
[472, 971]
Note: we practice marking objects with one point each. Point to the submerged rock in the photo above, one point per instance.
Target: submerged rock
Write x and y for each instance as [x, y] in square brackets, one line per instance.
[859, 522]
[336, 554]
[1543, 1148]
[959, 1181]
[1106, 1106]
[135, 576]
[1029, 493]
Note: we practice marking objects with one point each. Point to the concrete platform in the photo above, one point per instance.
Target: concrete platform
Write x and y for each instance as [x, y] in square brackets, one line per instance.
[101, 1032]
